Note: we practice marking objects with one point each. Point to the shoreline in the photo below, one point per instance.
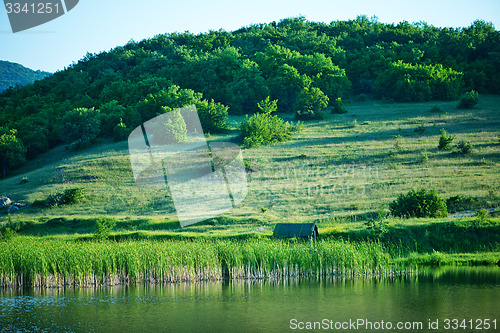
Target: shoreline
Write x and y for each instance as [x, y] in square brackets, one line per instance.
[42, 263]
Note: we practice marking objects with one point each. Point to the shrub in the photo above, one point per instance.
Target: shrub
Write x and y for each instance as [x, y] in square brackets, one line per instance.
[7, 234]
[445, 140]
[338, 106]
[213, 116]
[265, 128]
[310, 103]
[419, 203]
[465, 147]
[423, 158]
[120, 132]
[175, 127]
[482, 215]
[468, 100]
[460, 203]
[69, 196]
[103, 227]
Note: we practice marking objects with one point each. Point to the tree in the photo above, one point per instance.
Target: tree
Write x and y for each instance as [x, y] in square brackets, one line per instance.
[80, 126]
[310, 104]
[175, 127]
[12, 151]
[267, 106]
[120, 132]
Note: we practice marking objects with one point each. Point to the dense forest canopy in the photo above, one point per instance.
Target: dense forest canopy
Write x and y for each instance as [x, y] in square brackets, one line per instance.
[12, 74]
[230, 72]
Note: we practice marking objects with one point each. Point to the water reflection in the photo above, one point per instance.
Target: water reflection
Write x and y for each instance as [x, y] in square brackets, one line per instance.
[254, 305]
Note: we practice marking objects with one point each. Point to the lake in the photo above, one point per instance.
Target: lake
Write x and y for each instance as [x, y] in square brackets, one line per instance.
[445, 298]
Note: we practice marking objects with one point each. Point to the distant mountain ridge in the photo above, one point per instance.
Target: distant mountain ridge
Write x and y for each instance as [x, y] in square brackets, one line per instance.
[12, 73]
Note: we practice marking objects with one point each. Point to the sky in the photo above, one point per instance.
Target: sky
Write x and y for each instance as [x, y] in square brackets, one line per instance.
[100, 25]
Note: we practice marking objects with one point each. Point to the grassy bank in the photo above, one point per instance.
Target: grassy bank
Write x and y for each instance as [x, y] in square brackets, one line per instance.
[340, 172]
[42, 262]
[35, 262]
[343, 166]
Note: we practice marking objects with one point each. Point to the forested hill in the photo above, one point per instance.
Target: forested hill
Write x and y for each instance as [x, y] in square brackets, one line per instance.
[231, 72]
[12, 74]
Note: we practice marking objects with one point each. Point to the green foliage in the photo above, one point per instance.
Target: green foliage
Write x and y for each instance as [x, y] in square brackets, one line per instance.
[337, 105]
[445, 140]
[468, 100]
[423, 158]
[213, 116]
[113, 113]
[7, 234]
[268, 106]
[12, 151]
[405, 82]
[465, 147]
[310, 104]
[175, 127]
[120, 132]
[12, 75]
[419, 203]
[96, 262]
[402, 62]
[482, 215]
[103, 227]
[265, 128]
[80, 127]
[460, 203]
[69, 196]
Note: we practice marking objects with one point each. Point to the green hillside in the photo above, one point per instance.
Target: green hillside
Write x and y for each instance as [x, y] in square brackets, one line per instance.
[12, 74]
[340, 172]
[305, 66]
[386, 136]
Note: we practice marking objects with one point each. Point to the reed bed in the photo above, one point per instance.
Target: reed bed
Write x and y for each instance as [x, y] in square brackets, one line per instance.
[52, 263]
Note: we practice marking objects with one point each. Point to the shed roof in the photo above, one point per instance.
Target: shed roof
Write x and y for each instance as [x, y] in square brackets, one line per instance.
[294, 230]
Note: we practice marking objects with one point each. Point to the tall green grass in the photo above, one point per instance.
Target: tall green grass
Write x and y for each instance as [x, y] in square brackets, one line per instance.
[48, 262]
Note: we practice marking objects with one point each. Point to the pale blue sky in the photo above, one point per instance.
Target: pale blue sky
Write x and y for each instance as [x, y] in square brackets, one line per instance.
[100, 25]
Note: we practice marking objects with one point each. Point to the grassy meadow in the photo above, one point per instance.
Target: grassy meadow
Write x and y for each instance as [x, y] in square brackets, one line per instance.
[341, 172]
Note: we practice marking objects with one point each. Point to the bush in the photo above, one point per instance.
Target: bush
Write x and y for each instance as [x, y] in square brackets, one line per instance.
[468, 100]
[460, 203]
[423, 158]
[175, 127]
[103, 227]
[7, 234]
[310, 104]
[69, 196]
[419, 203]
[338, 106]
[264, 128]
[120, 132]
[445, 140]
[482, 215]
[213, 116]
[465, 147]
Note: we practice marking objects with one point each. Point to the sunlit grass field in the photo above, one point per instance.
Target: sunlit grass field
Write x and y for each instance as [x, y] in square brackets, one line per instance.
[336, 170]
[341, 172]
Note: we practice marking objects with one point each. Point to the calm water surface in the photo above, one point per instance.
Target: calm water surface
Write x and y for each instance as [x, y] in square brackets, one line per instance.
[261, 306]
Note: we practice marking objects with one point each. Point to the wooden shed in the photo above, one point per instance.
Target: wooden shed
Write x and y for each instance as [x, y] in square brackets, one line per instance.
[299, 230]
